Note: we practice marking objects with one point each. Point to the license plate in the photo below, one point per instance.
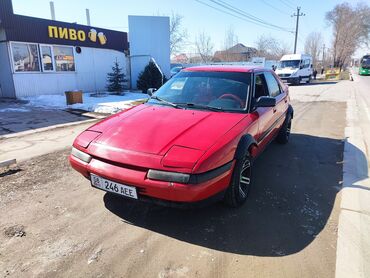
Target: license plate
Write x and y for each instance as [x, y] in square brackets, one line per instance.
[111, 186]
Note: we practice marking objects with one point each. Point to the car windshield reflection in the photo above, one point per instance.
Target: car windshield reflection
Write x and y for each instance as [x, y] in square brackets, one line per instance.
[216, 91]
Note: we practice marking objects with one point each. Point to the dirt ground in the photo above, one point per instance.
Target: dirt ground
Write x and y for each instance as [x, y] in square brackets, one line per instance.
[53, 224]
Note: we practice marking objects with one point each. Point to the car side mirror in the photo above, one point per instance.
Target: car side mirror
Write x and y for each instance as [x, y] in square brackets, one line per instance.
[300, 67]
[151, 91]
[265, 102]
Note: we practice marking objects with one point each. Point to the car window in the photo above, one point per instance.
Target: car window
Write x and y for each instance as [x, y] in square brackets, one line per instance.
[260, 88]
[306, 64]
[272, 84]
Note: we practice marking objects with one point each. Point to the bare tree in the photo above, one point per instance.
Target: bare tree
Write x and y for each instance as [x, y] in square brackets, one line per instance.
[178, 35]
[351, 28]
[271, 48]
[231, 38]
[204, 47]
[313, 46]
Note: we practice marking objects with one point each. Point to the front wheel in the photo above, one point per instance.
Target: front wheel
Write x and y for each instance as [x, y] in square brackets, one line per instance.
[238, 189]
[284, 132]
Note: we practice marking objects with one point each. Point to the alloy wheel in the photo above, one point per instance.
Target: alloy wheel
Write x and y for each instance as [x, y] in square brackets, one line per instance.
[245, 178]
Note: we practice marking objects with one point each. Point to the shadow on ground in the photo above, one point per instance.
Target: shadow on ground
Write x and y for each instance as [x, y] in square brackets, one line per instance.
[293, 194]
[320, 82]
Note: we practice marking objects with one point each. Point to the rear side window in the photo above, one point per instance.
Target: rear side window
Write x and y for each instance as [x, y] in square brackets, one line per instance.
[272, 84]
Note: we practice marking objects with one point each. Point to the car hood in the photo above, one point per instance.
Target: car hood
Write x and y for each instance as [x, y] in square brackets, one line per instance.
[155, 129]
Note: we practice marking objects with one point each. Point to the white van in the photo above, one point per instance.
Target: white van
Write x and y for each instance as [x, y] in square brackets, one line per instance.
[295, 68]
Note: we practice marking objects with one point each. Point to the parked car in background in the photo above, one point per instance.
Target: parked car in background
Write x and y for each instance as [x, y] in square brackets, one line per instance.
[295, 68]
[194, 141]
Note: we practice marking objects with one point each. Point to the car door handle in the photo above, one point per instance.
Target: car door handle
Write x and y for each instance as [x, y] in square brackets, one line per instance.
[274, 110]
[285, 100]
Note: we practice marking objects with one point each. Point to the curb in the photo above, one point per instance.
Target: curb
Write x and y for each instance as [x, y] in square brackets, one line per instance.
[43, 129]
[353, 244]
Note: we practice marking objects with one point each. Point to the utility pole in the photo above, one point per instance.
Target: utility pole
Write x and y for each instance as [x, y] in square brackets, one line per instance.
[323, 55]
[298, 14]
[52, 10]
[88, 17]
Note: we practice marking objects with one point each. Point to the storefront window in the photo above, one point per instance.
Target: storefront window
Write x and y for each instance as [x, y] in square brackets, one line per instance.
[25, 57]
[47, 58]
[64, 59]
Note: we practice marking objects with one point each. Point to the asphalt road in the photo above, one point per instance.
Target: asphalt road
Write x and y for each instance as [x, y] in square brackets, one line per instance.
[55, 225]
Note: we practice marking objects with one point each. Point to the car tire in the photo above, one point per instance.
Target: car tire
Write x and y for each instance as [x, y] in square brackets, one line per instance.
[309, 80]
[284, 132]
[238, 190]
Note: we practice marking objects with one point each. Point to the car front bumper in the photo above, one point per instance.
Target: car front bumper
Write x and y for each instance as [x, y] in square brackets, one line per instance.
[207, 186]
[291, 80]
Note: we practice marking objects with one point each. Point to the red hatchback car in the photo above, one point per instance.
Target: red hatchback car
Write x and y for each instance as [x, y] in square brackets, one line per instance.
[193, 141]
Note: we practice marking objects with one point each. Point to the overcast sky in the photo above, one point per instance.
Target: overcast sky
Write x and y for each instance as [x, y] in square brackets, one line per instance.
[112, 14]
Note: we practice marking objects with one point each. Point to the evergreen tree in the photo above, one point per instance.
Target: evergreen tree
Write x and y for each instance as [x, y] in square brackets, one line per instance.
[150, 77]
[115, 79]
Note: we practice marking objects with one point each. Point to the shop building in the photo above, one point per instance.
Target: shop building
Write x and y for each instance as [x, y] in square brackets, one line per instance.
[40, 56]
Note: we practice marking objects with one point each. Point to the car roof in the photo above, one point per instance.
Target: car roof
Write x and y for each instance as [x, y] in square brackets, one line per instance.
[227, 68]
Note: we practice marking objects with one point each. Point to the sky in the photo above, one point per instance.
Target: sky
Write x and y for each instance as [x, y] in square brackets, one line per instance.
[197, 17]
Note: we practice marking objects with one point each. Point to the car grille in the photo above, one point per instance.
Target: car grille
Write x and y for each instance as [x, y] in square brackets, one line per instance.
[284, 75]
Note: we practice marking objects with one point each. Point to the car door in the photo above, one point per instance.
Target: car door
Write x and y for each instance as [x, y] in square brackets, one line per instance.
[281, 97]
[265, 114]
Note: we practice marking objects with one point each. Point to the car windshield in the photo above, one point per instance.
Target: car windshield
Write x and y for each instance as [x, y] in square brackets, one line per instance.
[216, 91]
[365, 62]
[289, 64]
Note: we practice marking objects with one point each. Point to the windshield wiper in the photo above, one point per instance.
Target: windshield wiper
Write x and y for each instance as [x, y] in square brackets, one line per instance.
[201, 106]
[164, 101]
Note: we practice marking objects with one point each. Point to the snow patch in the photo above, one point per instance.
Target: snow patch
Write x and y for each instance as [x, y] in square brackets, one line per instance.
[104, 104]
[14, 110]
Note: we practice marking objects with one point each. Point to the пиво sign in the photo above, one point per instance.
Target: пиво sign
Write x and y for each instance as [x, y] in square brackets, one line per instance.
[74, 35]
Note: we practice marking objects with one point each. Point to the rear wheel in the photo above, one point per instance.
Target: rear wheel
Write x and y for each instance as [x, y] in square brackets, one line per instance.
[284, 133]
[238, 190]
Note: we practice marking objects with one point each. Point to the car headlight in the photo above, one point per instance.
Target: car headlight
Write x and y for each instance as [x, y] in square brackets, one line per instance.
[81, 155]
[293, 74]
[168, 176]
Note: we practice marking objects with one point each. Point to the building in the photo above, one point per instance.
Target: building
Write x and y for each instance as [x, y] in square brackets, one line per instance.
[41, 56]
[236, 53]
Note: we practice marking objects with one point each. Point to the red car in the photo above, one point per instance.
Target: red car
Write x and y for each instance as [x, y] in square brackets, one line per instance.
[193, 141]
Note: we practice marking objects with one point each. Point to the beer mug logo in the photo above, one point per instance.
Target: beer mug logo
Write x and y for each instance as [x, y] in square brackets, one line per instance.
[92, 35]
[102, 38]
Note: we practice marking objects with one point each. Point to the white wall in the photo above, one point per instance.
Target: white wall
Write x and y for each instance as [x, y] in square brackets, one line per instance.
[149, 35]
[92, 66]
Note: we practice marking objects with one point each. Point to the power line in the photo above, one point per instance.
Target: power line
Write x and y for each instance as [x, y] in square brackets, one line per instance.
[239, 17]
[287, 4]
[290, 2]
[223, 11]
[247, 15]
[275, 8]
